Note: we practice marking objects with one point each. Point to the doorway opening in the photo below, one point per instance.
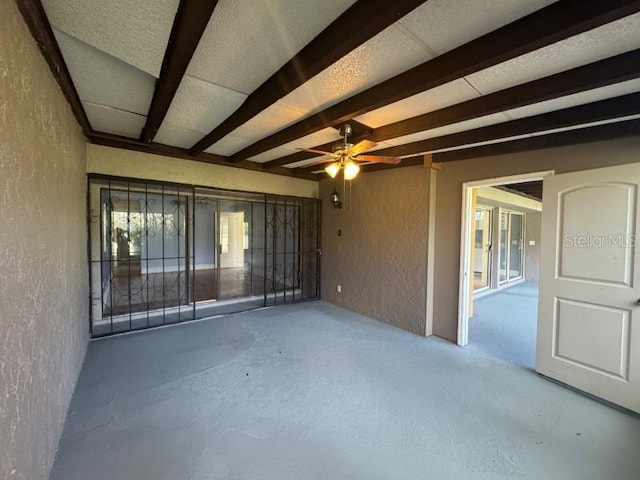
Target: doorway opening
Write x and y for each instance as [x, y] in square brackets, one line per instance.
[500, 248]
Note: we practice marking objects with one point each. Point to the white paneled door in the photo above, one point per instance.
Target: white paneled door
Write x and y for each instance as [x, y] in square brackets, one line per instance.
[589, 310]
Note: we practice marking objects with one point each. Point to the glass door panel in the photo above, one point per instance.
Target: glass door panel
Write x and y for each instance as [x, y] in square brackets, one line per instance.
[511, 246]
[123, 242]
[504, 242]
[144, 244]
[482, 248]
[516, 234]
[205, 251]
[234, 230]
[292, 250]
[166, 252]
[229, 252]
[257, 250]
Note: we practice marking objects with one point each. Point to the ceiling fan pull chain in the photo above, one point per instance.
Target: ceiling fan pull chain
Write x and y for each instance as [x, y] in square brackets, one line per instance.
[344, 191]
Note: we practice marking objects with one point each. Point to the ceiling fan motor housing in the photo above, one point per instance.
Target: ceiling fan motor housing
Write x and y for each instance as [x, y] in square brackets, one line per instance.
[342, 149]
[345, 130]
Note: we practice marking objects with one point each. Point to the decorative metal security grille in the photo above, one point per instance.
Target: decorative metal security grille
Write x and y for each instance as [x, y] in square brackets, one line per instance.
[164, 253]
[292, 250]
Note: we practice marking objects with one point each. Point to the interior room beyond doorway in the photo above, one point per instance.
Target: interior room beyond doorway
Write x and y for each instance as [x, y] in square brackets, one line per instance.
[505, 237]
[499, 274]
[505, 242]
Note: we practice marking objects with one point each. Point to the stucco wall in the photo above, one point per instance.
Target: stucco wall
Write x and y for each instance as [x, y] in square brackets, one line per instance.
[449, 200]
[128, 163]
[380, 260]
[43, 262]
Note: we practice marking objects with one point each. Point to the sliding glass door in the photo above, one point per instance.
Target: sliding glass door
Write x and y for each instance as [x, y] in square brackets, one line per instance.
[140, 241]
[164, 253]
[482, 248]
[511, 246]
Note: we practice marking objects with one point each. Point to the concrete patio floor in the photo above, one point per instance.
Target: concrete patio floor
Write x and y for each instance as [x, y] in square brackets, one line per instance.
[504, 324]
[313, 391]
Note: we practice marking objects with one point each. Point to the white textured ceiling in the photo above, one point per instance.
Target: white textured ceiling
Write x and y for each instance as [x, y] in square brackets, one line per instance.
[387, 54]
[111, 120]
[272, 119]
[436, 98]
[318, 138]
[247, 40]
[176, 136]
[535, 134]
[446, 24]
[602, 93]
[135, 31]
[105, 80]
[114, 51]
[227, 145]
[606, 41]
[449, 129]
[201, 106]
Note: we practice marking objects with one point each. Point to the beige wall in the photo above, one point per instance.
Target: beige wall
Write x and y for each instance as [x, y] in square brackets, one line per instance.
[43, 260]
[127, 163]
[381, 258]
[449, 200]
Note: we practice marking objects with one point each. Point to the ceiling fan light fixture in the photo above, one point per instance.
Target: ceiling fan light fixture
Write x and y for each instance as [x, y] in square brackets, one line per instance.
[332, 169]
[351, 169]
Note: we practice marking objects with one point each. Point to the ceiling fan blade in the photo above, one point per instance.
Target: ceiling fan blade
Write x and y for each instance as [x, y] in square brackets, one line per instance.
[379, 159]
[321, 152]
[361, 147]
[318, 162]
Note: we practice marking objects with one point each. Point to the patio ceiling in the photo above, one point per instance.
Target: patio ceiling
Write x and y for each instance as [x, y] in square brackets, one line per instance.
[245, 82]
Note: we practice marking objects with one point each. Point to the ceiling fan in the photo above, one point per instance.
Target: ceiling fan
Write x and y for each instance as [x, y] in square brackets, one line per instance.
[345, 156]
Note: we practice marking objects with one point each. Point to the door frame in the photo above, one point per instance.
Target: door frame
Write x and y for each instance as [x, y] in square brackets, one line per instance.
[466, 223]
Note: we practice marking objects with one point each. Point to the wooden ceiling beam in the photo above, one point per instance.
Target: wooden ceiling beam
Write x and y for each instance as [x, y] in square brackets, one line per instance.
[610, 131]
[189, 24]
[597, 133]
[544, 27]
[594, 75]
[602, 110]
[532, 189]
[117, 141]
[580, 79]
[299, 156]
[406, 162]
[36, 19]
[359, 23]
[360, 132]
[617, 107]
[358, 129]
[529, 187]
